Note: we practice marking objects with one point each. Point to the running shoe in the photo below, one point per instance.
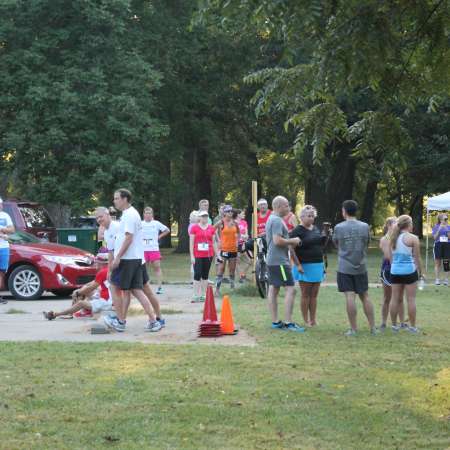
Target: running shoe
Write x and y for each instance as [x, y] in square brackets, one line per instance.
[202, 298]
[112, 314]
[277, 325]
[83, 314]
[383, 327]
[153, 326]
[114, 323]
[162, 322]
[350, 333]
[294, 327]
[403, 325]
[232, 284]
[395, 328]
[414, 330]
[445, 282]
[196, 299]
[374, 331]
[49, 315]
[159, 290]
[437, 282]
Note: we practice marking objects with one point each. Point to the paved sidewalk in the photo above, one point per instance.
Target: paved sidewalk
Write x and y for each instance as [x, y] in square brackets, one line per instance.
[23, 321]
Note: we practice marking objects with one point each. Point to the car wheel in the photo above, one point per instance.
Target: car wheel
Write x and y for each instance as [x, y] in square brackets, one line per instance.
[62, 292]
[25, 283]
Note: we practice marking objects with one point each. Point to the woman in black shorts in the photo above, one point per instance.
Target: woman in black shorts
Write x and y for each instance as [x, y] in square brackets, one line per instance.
[385, 275]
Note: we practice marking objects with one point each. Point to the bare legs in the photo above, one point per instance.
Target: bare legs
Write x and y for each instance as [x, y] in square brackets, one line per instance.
[288, 303]
[308, 305]
[156, 266]
[352, 312]
[221, 270]
[397, 294]
[387, 296]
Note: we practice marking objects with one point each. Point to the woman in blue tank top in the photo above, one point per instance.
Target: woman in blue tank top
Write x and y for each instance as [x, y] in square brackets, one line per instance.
[385, 275]
[406, 267]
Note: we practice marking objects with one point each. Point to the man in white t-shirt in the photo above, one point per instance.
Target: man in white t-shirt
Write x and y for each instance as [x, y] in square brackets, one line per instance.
[126, 265]
[110, 229]
[152, 232]
[6, 227]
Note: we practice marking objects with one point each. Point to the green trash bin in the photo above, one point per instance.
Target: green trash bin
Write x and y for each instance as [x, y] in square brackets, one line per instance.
[83, 238]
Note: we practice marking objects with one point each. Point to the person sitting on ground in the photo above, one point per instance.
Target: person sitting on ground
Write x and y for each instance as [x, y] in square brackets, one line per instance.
[84, 300]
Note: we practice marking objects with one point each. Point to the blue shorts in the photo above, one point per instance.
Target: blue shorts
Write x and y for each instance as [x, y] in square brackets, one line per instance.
[4, 259]
[312, 273]
[115, 276]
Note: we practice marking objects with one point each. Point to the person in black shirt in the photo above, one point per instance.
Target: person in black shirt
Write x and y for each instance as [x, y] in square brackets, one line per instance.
[308, 267]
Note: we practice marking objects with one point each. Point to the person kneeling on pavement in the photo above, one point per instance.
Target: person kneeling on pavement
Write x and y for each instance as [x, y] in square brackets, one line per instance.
[85, 302]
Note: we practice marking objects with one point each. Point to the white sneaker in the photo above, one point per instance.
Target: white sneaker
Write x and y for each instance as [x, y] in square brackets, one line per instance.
[437, 282]
[153, 326]
[445, 282]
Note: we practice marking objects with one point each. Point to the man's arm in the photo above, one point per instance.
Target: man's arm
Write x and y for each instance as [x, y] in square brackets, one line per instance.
[86, 290]
[283, 242]
[126, 243]
[9, 229]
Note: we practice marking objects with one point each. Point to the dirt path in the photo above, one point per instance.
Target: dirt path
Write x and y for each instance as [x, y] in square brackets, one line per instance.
[23, 321]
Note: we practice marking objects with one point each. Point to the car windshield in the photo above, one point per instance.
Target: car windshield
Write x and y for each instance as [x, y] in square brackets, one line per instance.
[21, 237]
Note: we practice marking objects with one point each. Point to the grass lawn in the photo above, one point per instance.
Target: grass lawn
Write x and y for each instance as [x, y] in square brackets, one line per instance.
[314, 391]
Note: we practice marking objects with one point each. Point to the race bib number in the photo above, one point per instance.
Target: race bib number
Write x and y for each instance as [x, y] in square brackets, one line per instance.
[203, 246]
[225, 254]
[148, 241]
[443, 239]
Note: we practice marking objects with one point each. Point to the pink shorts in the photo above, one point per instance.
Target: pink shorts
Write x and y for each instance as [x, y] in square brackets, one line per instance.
[152, 256]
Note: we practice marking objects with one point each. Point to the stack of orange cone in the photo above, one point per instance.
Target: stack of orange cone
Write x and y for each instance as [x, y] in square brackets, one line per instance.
[210, 327]
[226, 317]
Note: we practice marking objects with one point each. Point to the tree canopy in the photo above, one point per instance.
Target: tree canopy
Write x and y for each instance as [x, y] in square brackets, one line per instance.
[317, 100]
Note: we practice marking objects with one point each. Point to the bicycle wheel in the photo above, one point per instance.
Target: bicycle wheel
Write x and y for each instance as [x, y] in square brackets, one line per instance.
[261, 276]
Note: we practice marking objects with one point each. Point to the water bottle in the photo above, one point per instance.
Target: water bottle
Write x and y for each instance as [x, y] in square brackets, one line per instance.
[421, 284]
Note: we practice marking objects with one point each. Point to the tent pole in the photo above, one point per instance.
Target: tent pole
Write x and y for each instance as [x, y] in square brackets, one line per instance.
[428, 228]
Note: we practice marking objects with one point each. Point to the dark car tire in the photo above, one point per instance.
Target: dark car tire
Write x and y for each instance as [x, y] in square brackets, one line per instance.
[62, 292]
[25, 283]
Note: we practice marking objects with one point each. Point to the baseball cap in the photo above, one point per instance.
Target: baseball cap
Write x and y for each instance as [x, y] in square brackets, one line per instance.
[203, 213]
[227, 209]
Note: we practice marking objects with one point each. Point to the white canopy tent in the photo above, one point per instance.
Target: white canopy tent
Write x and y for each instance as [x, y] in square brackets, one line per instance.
[437, 203]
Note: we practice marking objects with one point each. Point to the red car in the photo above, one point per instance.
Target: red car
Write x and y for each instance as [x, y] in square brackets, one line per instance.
[37, 266]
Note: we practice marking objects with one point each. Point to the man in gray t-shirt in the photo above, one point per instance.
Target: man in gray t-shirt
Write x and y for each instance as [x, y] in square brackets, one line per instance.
[278, 264]
[352, 237]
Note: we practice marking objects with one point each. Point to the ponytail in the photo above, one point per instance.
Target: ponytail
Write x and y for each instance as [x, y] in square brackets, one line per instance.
[388, 223]
[402, 223]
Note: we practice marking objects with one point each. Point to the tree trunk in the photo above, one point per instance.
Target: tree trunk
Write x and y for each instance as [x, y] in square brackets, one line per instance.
[60, 214]
[369, 201]
[416, 212]
[328, 186]
[164, 205]
[187, 200]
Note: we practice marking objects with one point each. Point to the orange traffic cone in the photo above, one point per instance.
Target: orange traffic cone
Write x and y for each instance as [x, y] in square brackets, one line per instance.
[226, 317]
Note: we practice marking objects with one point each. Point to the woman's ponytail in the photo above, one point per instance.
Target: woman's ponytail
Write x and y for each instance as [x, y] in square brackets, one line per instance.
[402, 223]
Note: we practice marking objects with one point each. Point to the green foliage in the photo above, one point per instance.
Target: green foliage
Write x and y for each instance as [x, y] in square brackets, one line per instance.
[76, 99]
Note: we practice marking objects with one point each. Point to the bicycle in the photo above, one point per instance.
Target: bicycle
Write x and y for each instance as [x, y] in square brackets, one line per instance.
[261, 271]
